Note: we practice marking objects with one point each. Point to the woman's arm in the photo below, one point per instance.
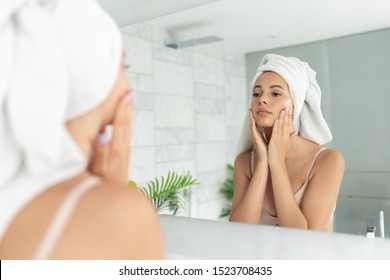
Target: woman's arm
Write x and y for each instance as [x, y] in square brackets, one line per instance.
[248, 193]
[321, 193]
[287, 209]
[319, 200]
[320, 196]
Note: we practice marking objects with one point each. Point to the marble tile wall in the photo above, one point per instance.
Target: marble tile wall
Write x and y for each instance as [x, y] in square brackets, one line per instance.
[189, 109]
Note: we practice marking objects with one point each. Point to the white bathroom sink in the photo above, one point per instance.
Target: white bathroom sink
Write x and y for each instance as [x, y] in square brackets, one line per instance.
[188, 238]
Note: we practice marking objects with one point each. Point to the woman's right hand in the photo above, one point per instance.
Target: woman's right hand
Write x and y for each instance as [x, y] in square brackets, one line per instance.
[261, 146]
[111, 158]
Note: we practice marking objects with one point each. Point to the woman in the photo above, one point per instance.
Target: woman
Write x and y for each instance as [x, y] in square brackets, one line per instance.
[63, 191]
[282, 176]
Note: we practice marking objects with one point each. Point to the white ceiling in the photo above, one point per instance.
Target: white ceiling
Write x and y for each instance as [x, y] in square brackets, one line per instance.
[252, 25]
[127, 12]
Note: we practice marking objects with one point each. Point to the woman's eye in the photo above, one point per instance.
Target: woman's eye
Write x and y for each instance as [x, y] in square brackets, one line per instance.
[276, 94]
[256, 94]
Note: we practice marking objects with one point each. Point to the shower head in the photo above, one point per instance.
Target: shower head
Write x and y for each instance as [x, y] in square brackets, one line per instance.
[192, 42]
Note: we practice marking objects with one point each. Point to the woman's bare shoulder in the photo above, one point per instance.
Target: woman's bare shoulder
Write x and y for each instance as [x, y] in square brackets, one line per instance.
[243, 163]
[332, 155]
[107, 211]
[131, 196]
[124, 209]
[243, 160]
[244, 157]
[331, 160]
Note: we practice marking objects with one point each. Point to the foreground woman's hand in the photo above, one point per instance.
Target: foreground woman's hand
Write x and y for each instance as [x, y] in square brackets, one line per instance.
[111, 158]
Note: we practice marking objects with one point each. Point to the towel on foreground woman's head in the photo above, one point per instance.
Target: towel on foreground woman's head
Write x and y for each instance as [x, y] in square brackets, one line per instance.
[59, 60]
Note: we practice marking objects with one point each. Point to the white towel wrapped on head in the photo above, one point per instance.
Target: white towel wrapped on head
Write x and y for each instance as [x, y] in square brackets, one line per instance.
[306, 95]
[59, 59]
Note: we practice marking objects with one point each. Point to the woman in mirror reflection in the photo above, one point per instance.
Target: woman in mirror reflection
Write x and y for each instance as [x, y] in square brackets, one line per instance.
[63, 181]
[282, 174]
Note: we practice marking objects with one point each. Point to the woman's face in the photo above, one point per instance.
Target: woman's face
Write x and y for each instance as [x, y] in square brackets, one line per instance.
[269, 97]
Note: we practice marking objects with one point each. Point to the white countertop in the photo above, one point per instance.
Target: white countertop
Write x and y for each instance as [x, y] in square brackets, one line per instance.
[188, 238]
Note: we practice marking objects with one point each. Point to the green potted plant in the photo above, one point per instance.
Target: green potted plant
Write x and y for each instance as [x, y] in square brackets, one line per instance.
[227, 191]
[169, 194]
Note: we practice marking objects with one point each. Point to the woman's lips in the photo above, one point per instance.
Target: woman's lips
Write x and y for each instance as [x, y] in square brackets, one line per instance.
[263, 112]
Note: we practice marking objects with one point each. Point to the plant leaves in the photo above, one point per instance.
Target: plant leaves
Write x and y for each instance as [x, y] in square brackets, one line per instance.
[132, 184]
[227, 191]
[171, 193]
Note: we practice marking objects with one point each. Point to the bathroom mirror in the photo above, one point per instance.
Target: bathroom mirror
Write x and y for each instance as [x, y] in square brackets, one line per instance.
[191, 70]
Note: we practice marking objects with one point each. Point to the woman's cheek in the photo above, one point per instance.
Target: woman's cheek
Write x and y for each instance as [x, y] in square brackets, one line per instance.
[289, 105]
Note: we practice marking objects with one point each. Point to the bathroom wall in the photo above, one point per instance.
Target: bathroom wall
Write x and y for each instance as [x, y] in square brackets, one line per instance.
[353, 73]
[189, 109]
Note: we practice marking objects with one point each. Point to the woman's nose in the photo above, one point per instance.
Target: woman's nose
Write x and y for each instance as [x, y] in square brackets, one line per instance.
[263, 99]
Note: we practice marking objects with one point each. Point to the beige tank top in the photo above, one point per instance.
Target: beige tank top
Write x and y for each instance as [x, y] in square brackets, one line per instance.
[271, 219]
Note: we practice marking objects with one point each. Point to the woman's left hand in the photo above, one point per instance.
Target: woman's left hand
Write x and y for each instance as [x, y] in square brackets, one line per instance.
[111, 158]
[282, 135]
